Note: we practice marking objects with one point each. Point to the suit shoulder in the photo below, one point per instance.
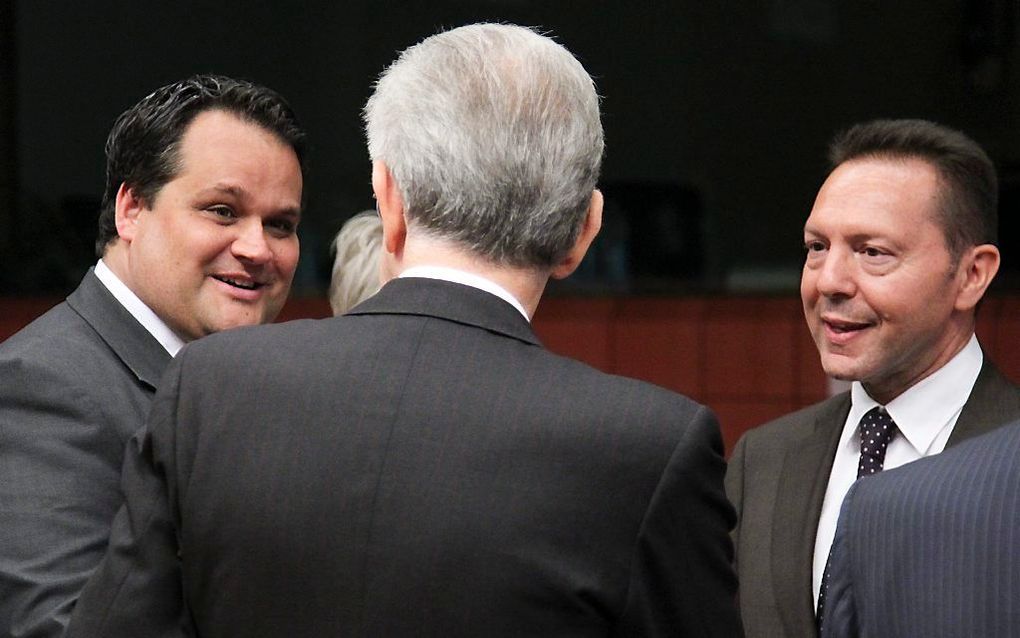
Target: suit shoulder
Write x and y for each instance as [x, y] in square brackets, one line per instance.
[973, 462]
[258, 341]
[617, 392]
[57, 340]
[796, 425]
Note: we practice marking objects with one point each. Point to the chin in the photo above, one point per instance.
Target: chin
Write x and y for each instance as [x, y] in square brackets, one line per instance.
[840, 372]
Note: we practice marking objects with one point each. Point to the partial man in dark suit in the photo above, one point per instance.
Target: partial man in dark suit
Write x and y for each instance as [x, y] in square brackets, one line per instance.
[900, 248]
[196, 235]
[931, 549]
[421, 466]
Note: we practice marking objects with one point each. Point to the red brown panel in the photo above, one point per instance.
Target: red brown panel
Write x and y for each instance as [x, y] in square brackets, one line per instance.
[750, 347]
[661, 341]
[578, 328]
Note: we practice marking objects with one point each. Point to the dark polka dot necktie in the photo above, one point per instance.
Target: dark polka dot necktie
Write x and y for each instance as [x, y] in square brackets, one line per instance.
[876, 429]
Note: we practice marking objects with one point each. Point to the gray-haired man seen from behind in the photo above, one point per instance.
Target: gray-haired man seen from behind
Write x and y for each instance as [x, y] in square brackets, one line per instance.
[196, 235]
[422, 466]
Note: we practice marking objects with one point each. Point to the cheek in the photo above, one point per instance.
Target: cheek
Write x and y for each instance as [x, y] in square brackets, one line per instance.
[808, 290]
[286, 257]
[897, 300]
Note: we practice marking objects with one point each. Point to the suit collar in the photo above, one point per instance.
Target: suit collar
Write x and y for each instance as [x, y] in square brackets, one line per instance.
[449, 301]
[128, 339]
[993, 402]
[802, 482]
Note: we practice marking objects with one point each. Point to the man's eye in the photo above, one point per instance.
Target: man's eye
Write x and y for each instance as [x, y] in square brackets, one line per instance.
[873, 252]
[284, 226]
[814, 246]
[222, 211]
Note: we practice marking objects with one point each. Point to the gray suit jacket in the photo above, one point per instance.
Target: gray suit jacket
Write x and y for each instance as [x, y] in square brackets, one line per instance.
[74, 386]
[933, 548]
[419, 467]
[776, 480]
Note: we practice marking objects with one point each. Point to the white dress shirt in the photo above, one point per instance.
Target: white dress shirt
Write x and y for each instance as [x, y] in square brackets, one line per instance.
[467, 279]
[145, 316]
[925, 416]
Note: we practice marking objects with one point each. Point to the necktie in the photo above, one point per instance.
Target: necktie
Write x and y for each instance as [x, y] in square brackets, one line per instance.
[876, 429]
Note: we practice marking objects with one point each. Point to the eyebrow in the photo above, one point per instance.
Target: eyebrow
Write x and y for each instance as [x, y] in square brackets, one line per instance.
[225, 189]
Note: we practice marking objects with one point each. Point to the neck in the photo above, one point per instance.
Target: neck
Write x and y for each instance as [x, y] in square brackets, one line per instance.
[526, 285]
[885, 390]
[116, 259]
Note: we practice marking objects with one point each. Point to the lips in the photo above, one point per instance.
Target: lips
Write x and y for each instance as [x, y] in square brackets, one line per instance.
[243, 284]
[841, 331]
[840, 326]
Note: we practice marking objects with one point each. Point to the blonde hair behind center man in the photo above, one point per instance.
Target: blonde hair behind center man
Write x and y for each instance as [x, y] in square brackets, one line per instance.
[356, 267]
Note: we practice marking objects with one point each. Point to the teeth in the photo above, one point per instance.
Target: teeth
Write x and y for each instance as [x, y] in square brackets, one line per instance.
[246, 285]
[845, 328]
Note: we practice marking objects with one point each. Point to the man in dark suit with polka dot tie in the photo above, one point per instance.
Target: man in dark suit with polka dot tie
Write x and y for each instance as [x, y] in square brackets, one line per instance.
[899, 250]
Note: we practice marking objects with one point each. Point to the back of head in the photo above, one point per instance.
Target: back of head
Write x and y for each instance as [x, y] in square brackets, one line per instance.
[142, 150]
[358, 246]
[969, 187]
[492, 134]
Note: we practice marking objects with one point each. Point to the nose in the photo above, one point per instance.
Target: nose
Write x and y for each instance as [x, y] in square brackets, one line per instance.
[835, 275]
[250, 245]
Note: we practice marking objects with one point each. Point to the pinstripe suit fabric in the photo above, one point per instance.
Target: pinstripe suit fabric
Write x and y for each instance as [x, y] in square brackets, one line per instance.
[932, 548]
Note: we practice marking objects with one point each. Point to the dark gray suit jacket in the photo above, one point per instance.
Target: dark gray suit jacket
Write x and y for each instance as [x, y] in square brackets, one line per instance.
[74, 386]
[419, 467]
[933, 548]
[776, 480]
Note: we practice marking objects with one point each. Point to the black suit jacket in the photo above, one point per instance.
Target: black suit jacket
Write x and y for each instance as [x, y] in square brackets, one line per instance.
[776, 480]
[75, 384]
[933, 548]
[420, 467]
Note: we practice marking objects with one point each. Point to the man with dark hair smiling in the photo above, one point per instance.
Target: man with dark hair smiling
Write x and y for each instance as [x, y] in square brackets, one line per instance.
[900, 248]
[197, 234]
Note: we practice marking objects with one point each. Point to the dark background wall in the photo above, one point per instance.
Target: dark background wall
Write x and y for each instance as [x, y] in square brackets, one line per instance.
[724, 108]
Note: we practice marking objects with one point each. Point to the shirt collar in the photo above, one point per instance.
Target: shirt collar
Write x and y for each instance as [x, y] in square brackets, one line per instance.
[925, 408]
[145, 316]
[467, 279]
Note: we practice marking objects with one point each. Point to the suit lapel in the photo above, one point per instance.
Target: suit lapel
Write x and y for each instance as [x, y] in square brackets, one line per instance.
[449, 301]
[128, 339]
[992, 403]
[802, 484]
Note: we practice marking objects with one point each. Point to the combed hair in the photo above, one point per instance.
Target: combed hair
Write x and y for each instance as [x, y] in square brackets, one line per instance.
[143, 148]
[492, 133]
[358, 247]
[968, 201]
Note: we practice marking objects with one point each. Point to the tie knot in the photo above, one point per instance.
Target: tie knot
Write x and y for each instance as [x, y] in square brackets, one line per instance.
[877, 429]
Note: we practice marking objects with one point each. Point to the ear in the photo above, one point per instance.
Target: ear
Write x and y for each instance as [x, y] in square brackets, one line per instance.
[977, 269]
[127, 207]
[590, 228]
[391, 208]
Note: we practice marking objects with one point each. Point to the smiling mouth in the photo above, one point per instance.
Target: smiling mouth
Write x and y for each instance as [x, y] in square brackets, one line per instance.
[844, 327]
[243, 285]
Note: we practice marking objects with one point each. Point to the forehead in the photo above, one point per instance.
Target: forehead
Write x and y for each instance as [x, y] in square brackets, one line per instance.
[890, 194]
[220, 147]
[218, 129]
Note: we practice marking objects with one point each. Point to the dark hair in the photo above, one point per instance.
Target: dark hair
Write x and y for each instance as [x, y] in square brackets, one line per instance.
[143, 148]
[970, 191]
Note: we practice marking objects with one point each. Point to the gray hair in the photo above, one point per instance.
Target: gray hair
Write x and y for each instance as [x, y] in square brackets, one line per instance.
[492, 134]
[356, 266]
